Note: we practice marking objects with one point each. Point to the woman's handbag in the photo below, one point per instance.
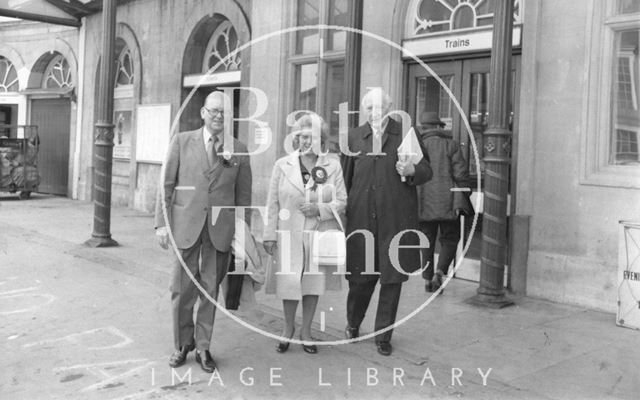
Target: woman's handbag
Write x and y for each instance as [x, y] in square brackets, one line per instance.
[329, 247]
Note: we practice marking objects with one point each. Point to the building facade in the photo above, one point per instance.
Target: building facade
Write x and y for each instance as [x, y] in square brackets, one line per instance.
[575, 168]
[38, 86]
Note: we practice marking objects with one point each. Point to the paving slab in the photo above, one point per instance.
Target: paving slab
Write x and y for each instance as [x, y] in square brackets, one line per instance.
[609, 372]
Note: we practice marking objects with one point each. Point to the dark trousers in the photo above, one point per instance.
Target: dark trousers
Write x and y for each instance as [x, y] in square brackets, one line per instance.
[449, 237]
[209, 266]
[358, 301]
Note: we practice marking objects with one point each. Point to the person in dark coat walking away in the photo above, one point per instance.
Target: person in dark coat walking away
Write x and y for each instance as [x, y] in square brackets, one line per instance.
[438, 208]
[382, 205]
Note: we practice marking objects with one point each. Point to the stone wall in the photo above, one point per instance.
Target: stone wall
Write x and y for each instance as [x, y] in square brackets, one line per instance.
[157, 32]
[573, 248]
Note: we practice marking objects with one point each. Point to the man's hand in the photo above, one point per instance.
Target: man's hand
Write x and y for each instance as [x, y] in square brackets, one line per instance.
[270, 246]
[405, 168]
[310, 210]
[163, 237]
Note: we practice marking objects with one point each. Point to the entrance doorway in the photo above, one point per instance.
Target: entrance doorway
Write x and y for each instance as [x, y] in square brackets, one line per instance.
[52, 117]
[468, 80]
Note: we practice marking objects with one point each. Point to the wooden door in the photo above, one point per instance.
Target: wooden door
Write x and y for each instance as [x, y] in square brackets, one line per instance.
[467, 81]
[53, 118]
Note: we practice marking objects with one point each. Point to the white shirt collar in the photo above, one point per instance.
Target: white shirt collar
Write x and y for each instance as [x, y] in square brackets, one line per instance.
[385, 122]
[206, 135]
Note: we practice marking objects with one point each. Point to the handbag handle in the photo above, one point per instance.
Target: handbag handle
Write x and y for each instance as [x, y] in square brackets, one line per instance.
[337, 217]
[307, 196]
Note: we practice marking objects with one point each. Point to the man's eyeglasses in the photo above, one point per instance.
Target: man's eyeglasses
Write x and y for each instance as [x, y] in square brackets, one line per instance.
[214, 112]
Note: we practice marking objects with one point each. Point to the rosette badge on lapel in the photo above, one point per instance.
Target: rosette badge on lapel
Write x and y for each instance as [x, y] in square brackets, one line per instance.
[228, 159]
[319, 176]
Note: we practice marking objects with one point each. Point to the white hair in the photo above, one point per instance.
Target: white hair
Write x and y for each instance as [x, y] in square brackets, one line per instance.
[376, 93]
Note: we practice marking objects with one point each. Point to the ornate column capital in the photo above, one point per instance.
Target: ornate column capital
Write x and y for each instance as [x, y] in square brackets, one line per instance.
[104, 133]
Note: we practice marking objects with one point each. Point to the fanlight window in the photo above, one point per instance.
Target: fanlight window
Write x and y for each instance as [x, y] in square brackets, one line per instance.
[8, 76]
[125, 73]
[58, 74]
[431, 16]
[223, 42]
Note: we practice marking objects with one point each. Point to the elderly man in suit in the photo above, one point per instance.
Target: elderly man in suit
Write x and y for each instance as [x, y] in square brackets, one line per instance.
[202, 185]
[382, 203]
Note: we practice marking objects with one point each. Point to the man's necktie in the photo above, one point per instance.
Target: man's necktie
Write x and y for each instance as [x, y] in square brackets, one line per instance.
[211, 151]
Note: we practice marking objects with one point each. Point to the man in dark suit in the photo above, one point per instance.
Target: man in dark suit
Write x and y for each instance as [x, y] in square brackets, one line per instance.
[380, 202]
[199, 178]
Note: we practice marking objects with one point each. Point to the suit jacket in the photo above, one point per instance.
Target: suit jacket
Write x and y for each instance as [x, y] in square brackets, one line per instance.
[378, 201]
[192, 188]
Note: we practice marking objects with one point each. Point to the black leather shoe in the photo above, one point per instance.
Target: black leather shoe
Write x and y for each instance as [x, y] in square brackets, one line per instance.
[180, 356]
[281, 347]
[428, 287]
[351, 333]
[310, 348]
[436, 282]
[384, 348]
[206, 361]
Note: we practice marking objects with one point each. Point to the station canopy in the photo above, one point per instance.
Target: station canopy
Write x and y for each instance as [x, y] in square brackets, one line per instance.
[59, 12]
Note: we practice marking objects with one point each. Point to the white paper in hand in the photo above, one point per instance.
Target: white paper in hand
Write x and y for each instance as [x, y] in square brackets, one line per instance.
[409, 149]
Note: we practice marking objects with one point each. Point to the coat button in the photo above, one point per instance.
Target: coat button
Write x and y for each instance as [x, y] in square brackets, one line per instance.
[374, 215]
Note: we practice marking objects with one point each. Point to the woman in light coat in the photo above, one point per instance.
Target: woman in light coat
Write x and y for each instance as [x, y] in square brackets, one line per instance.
[306, 194]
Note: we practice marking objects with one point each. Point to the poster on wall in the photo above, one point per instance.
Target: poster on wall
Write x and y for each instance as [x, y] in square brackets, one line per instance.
[153, 124]
[122, 134]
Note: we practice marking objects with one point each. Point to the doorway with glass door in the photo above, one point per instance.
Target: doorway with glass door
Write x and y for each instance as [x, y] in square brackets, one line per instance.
[467, 81]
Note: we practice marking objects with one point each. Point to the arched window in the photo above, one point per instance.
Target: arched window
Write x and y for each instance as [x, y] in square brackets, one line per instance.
[124, 69]
[431, 16]
[223, 42]
[123, 109]
[58, 74]
[8, 76]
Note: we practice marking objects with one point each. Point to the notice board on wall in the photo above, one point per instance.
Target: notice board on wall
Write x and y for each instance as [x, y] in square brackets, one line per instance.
[153, 125]
[628, 314]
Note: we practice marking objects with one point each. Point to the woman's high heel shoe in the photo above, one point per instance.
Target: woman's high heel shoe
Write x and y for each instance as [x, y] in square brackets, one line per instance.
[309, 348]
[281, 347]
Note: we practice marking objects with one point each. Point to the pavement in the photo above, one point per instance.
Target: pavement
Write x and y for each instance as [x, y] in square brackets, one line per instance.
[85, 323]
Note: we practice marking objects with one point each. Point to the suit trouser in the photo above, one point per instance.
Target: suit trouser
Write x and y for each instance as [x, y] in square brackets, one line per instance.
[449, 237]
[209, 267]
[358, 301]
